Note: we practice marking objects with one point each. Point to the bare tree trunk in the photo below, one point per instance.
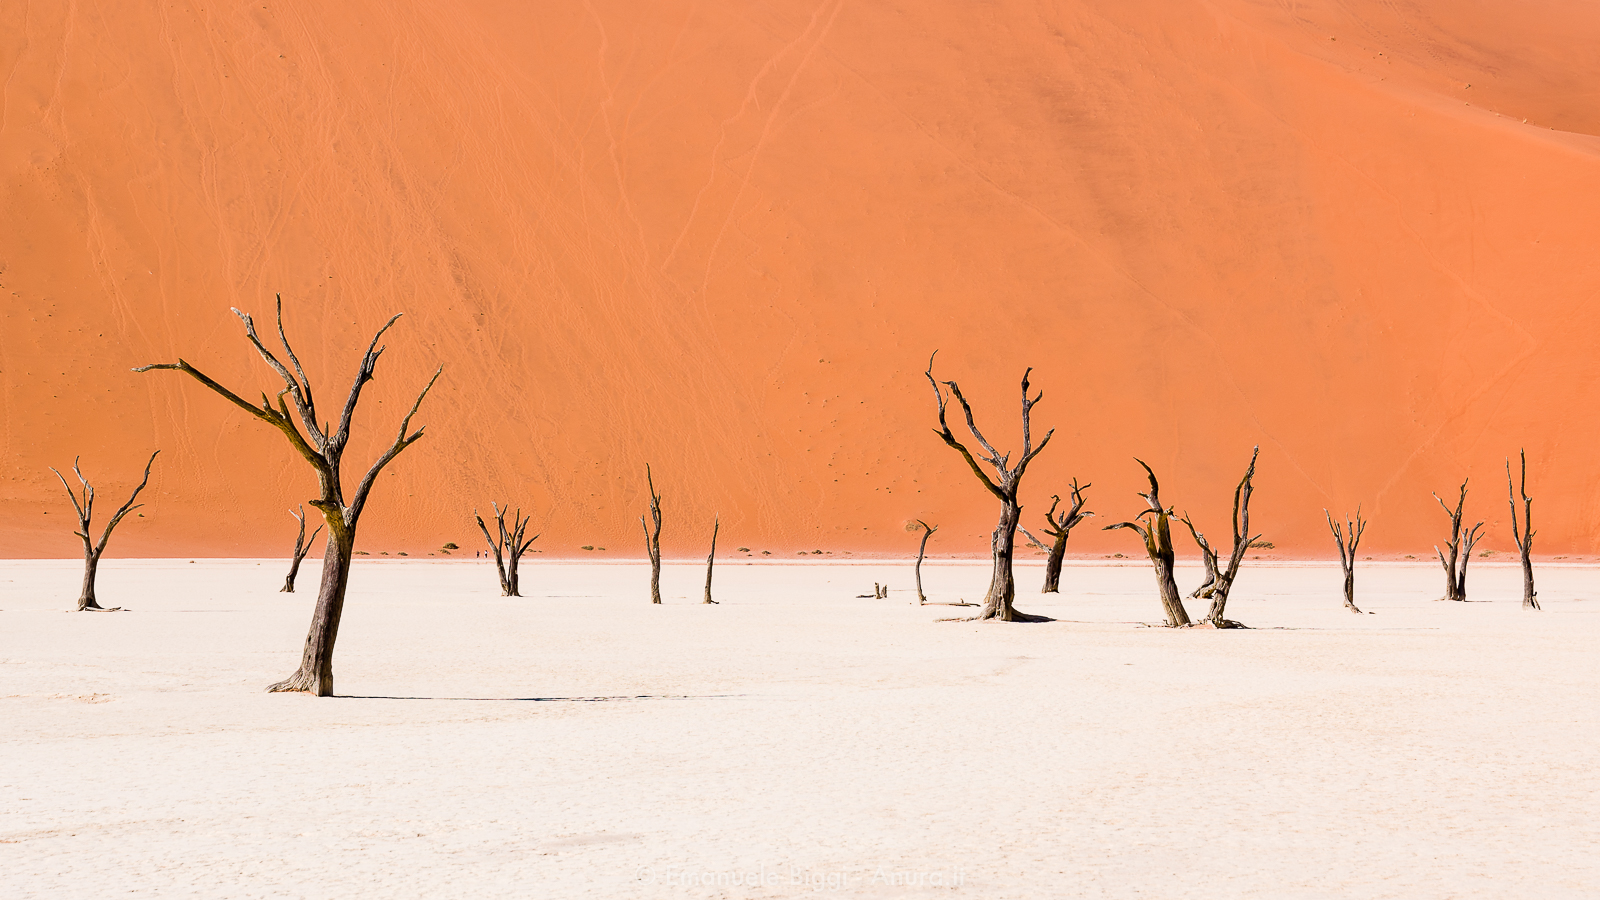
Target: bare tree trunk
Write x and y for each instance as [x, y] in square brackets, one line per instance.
[711, 558]
[91, 567]
[1002, 583]
[92, 550]
[1158, 545]
[508, 547]
[927, 532]
[301, 547]
[1060, 528]
[315, 675]
[1222, 578]
[652, 539]
[1524, 537]
[322, 446]
[997, 603]
[1455, 563]
[1347, 553]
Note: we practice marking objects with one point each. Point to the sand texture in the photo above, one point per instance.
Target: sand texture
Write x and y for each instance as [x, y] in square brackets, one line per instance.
[582, 743]
[724, 237]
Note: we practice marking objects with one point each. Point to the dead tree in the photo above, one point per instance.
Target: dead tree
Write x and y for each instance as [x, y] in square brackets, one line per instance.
[91, 548]
[997, 602]
[1058, 528]
[1347, 553]
[507, 546]
[922, 549]
[301, 547]
[711, 558]
[1219, 579]
[652, 539]
[322, 449]
[1524, 539]
[1158, 544]
[1455, 565]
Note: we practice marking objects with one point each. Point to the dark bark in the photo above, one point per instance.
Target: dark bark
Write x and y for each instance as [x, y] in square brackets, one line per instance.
[1158, 544]
[1347, 553]
[301, 547]
[93, 549]
[322, 446]
[652, 539]
[711, 558]
[922, 549]
[1059, 528]
[1524, 537]
[1455, 563]
[997, 602]
[508, 546]
[1220, 578]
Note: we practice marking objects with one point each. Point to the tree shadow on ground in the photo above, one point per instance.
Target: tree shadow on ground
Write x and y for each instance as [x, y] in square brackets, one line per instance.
[619, 697]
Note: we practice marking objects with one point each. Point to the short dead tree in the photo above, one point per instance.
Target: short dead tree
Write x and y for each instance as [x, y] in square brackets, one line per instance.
[1455, 564]
[711, 558]
[1524, 538]
[92, 549]
[997, 602]
[1158, 544]
[1219, 579]
[507, 546]
[1347, 553]
[1058, 528]
[652, 538]
[301, 547]
[922, 549]
[323, 450]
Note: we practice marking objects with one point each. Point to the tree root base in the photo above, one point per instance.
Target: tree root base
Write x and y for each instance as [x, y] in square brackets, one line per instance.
[1015, 617]
[1218, 624]
[301, 682]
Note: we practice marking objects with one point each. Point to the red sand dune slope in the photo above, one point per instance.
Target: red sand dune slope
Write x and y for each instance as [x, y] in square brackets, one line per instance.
[724, 237]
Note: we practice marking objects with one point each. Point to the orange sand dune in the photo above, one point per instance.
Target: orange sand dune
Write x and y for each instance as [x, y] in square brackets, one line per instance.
[724, 237]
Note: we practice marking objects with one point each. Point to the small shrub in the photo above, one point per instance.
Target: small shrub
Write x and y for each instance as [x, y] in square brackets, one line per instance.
[451, 546]
[588, 546]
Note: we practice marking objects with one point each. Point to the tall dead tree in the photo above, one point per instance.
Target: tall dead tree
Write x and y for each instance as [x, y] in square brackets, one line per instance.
[322, 449]
[301, 547]
[922, 549]
[1455, 565]
[1347, 553]
[1524, 538]
[1058, 528]
[652, 539]
[507, 546]
[1158, 544]
[1219, 579]
[92, 549]
[711, 558]
[997, 602]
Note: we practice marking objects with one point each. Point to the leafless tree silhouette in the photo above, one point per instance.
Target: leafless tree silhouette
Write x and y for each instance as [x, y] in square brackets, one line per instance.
[301, 547]
[1455, 565]
[1524, 537]
[922, 549]
[507, 546]
[1219, 580]
[92, 549]
[997, 602]
[1158, 544]
[1058, 528]
[322, 446]
[711, 557]
[1347, 553]
[652, 539]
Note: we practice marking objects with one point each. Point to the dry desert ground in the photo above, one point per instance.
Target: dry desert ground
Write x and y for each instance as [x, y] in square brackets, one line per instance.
[796, 740]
